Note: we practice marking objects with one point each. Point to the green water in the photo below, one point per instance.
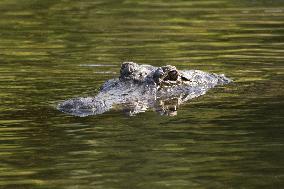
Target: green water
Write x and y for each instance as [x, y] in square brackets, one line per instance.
[232, 137]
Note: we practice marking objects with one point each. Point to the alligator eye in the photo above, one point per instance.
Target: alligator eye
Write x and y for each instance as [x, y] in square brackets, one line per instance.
[172, 75]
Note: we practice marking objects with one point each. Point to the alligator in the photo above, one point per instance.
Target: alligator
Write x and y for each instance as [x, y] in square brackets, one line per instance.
[144, 87]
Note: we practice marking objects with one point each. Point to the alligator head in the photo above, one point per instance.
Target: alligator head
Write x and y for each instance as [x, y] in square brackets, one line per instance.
[161, 76]
[143, 87]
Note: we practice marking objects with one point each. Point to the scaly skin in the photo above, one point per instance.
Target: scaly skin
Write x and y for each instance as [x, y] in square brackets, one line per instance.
[144, 87]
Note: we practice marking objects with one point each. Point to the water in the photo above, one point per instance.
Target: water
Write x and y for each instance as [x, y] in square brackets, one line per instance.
[52, 50]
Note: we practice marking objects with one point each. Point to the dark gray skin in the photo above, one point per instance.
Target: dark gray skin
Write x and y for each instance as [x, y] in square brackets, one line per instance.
[143, 87]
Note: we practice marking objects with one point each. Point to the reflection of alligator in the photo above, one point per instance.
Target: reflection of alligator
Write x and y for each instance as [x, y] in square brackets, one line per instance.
[142, 87]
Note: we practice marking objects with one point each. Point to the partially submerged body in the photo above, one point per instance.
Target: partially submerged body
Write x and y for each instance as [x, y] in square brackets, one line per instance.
[144, 87]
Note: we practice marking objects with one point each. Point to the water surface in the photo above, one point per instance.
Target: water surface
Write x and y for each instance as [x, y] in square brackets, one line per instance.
[52, 50]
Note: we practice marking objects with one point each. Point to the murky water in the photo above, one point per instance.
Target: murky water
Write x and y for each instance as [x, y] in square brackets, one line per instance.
[52, 50]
